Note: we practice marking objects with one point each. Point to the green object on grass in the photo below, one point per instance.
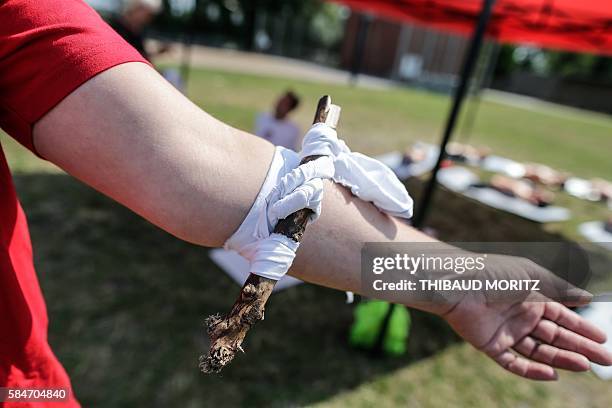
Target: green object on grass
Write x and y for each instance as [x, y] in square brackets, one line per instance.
[369, 318]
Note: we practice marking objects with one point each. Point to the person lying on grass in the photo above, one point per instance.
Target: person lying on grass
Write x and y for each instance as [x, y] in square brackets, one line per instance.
[520, 188]
[76, 94]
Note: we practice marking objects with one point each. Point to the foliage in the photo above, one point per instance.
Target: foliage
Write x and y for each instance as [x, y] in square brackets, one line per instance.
[238, 23]
[554, 63]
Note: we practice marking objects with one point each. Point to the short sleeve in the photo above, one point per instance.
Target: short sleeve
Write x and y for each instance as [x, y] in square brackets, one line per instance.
[48, 48]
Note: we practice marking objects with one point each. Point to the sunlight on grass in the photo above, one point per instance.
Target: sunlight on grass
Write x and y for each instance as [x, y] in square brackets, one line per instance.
[127, 301]
[376, 121]
[461, 376]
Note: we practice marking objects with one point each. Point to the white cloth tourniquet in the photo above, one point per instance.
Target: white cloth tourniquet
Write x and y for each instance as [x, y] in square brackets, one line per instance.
[289, 187]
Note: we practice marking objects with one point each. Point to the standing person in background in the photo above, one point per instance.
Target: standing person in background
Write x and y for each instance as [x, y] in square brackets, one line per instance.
[135, 16]
[277, 128]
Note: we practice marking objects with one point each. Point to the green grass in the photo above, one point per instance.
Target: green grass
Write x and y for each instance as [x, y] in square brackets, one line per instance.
[127, 301]
[461, 377]
[377, 121]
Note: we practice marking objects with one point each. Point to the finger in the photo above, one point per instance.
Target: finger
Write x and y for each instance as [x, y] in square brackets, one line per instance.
[558, 336]
[573, 321]
[577, 298]
[525, 368]
[552, 356]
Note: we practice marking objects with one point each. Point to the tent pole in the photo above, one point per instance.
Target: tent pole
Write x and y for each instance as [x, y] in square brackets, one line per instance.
[467, 69]
[484, 82]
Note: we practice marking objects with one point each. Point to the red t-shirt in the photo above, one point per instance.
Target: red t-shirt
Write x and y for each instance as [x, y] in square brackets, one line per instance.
[48, 48]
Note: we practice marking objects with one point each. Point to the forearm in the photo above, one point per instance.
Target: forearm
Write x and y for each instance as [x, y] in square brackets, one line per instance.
[130, 135]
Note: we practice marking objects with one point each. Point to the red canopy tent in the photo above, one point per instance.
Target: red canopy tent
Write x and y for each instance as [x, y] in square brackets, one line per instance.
[573, 25]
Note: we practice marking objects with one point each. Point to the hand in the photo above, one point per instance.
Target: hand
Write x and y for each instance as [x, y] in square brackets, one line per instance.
[529, 337]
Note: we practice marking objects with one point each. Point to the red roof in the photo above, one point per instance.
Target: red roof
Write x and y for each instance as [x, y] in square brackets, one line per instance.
[573, 25]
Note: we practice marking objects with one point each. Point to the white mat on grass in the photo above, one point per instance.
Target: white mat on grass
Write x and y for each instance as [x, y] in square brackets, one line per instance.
[237, 268]
[460, 179]
[498, 164]
[580, 188]
[403, 171]
[518, 206]
[457, 179]
[600, 314]
[595, 232]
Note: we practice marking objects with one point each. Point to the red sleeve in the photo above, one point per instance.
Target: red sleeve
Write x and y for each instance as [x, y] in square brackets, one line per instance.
[48, 48]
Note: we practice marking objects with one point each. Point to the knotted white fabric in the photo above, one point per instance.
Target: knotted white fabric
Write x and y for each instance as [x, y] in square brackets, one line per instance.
[290, 187]
[298, 189]
[367, 178]
[270, 255]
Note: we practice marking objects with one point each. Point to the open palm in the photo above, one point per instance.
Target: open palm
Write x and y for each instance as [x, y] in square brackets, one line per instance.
[531, 337]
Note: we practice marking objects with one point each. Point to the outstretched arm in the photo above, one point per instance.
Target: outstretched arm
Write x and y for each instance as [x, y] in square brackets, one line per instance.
[132, 136]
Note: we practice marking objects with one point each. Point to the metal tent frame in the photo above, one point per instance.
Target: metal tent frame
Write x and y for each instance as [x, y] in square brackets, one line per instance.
[459, 95]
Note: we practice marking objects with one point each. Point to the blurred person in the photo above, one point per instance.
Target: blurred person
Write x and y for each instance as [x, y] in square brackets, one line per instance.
[545, 175]
[414, 154]
[464, 153]
[276, 127]
[608, 225]
[522, 189]
[73, 92]
[131, 23]
[603, 189]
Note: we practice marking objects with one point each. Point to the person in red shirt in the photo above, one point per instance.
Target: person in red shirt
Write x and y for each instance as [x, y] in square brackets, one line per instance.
[73, 92]
[39, 41]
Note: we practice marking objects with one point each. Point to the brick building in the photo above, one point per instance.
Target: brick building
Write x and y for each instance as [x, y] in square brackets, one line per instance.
[394, 50]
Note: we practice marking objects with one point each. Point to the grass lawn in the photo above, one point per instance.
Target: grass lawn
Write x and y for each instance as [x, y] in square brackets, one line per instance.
[127, 301]
[377, 121]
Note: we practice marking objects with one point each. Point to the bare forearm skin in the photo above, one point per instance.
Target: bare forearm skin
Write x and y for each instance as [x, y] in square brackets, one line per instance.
[132, 136]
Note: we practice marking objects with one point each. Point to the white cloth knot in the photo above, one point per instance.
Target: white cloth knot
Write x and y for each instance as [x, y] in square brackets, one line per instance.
[290, 187]
[270, 257]
[298, 189]
[367, 178]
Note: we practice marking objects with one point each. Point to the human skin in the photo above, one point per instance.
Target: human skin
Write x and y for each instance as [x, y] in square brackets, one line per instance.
[132, 136]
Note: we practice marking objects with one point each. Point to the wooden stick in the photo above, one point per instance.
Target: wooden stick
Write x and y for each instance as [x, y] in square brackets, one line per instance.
[228, 332]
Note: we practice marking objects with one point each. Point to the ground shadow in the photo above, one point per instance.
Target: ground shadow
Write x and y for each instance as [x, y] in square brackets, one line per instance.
[127, 302]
